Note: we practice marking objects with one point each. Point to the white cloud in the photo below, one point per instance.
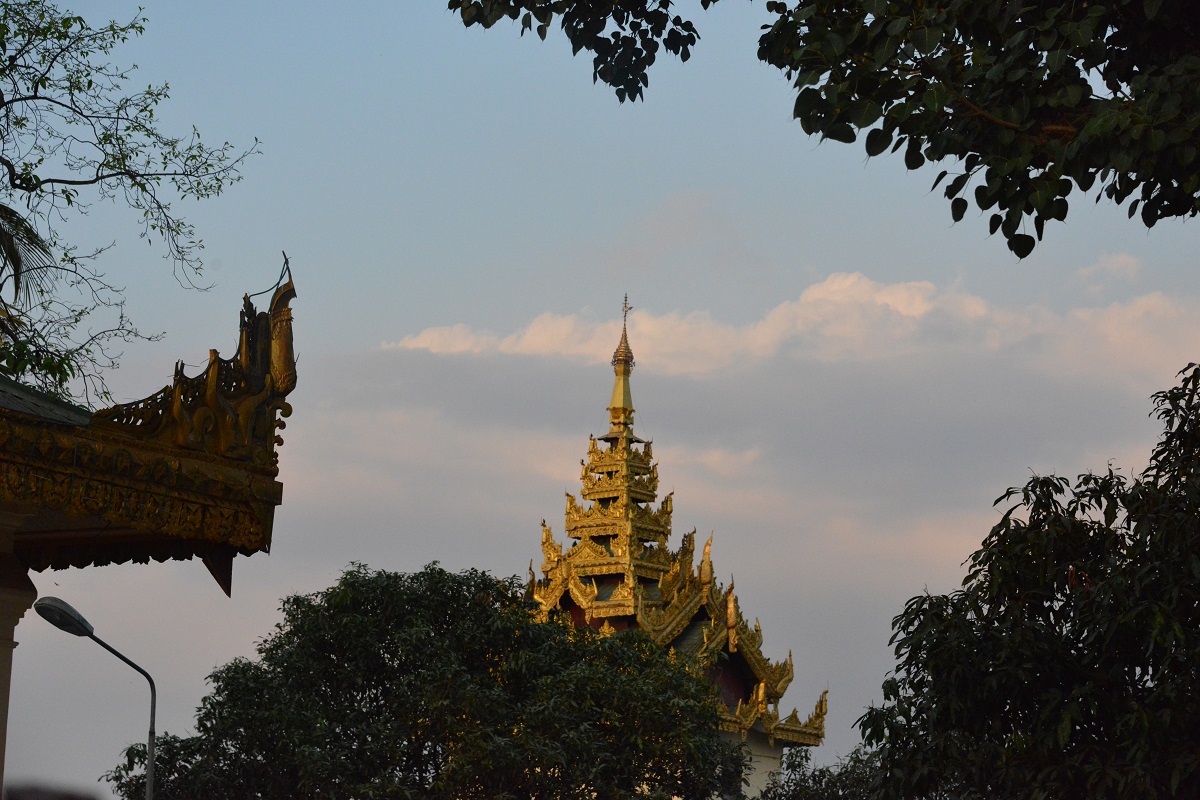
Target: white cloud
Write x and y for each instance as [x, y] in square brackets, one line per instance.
[848, 317]
[1139, 343]
[547, 335]
[1107, 269]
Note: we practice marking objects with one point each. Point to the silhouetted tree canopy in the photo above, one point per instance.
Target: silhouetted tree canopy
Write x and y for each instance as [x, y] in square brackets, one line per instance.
[436, 685]
[1067, 665]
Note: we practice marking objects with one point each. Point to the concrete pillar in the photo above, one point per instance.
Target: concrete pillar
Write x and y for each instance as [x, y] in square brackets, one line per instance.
[17, 594]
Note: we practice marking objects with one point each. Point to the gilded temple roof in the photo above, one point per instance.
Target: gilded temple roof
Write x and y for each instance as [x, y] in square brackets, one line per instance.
[189, 471]
[620, 573]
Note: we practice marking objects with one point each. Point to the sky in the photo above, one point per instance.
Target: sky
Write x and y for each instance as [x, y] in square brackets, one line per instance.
[838, 381]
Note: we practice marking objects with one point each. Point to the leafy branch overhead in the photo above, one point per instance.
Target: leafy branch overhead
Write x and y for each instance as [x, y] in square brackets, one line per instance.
[72, 133]
[67, 122]
[1024, 102]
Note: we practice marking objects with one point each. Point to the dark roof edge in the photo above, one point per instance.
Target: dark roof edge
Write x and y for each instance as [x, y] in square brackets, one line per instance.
[24, 399]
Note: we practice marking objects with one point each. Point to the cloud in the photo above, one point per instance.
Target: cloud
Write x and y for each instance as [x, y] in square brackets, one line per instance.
[844, 446]
[392, 457]
[1139, 343]
[717, 461]
[1107, 269]
[554, 335]
[848, 317]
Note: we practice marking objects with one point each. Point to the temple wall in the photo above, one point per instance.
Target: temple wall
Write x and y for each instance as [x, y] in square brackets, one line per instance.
[764, 760]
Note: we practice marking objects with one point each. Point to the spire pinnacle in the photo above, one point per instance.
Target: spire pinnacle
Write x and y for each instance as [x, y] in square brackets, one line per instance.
[620, 410]
[622, 359]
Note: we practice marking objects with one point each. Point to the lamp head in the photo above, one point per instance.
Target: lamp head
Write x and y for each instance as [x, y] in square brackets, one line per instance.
[61, 615]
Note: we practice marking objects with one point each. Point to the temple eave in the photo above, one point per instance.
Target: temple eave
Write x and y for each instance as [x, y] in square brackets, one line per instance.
[782, 732]
[603, 609]
[613, 490]
[74, 498]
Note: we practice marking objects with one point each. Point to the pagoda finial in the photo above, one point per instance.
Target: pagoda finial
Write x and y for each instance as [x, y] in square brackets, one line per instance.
[622, 359]
[620, 410]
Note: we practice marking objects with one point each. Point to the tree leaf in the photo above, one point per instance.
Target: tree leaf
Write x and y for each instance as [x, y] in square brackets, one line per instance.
[1021, 244]
[958, 207]
[878, 140]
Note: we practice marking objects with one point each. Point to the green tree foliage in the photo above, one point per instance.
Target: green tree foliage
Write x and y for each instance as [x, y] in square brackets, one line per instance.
[851, 778]
[72, 132]
[1067, 665]
[436, 685]
[1024, 101]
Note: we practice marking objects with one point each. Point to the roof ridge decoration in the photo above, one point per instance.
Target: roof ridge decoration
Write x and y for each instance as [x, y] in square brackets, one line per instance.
[619, 573]
[229, 409]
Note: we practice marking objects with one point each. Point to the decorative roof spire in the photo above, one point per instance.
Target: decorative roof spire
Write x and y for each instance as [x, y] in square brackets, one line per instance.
[619, 574]
[620, 410]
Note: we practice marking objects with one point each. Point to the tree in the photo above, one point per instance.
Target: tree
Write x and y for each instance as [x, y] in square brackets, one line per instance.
[851, 778]
[26, 261]
[71, 133]
[1026, 101]
[436, 685]
[1067, 664]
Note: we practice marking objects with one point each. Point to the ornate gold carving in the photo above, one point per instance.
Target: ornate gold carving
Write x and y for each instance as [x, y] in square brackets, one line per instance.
[586, 550]
[188, 471]
[82, 475]
[283, 359]
[623, 590]
[551, 550]
[732, 617]
[816, 720]
[621, 452]
[706, 567]
[583, 594]
[228, 410]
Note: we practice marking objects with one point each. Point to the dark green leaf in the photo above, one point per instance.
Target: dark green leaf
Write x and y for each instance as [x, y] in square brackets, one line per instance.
[912, 156]
[840, 132]
[958, 207]
[878, 140]
[1021, 244]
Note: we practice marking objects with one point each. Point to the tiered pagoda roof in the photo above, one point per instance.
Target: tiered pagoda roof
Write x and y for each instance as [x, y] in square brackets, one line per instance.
[620, 573]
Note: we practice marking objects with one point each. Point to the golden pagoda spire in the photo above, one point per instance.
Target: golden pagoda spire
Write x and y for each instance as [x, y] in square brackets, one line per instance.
[619, 573]
[619, 482]
[620, 410]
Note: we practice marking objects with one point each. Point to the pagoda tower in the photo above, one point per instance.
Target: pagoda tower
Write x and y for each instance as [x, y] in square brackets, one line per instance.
[620, 573]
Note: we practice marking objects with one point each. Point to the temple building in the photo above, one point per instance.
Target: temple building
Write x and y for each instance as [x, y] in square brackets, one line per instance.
[620, 573]
[188, 472]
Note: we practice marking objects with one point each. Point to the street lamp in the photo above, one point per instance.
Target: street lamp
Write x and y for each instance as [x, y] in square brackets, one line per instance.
[61, 615]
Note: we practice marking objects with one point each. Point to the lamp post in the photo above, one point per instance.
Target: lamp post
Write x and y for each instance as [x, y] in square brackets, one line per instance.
[61, 615]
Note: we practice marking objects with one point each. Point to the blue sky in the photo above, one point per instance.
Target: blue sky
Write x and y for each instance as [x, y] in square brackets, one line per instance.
[838, 381]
